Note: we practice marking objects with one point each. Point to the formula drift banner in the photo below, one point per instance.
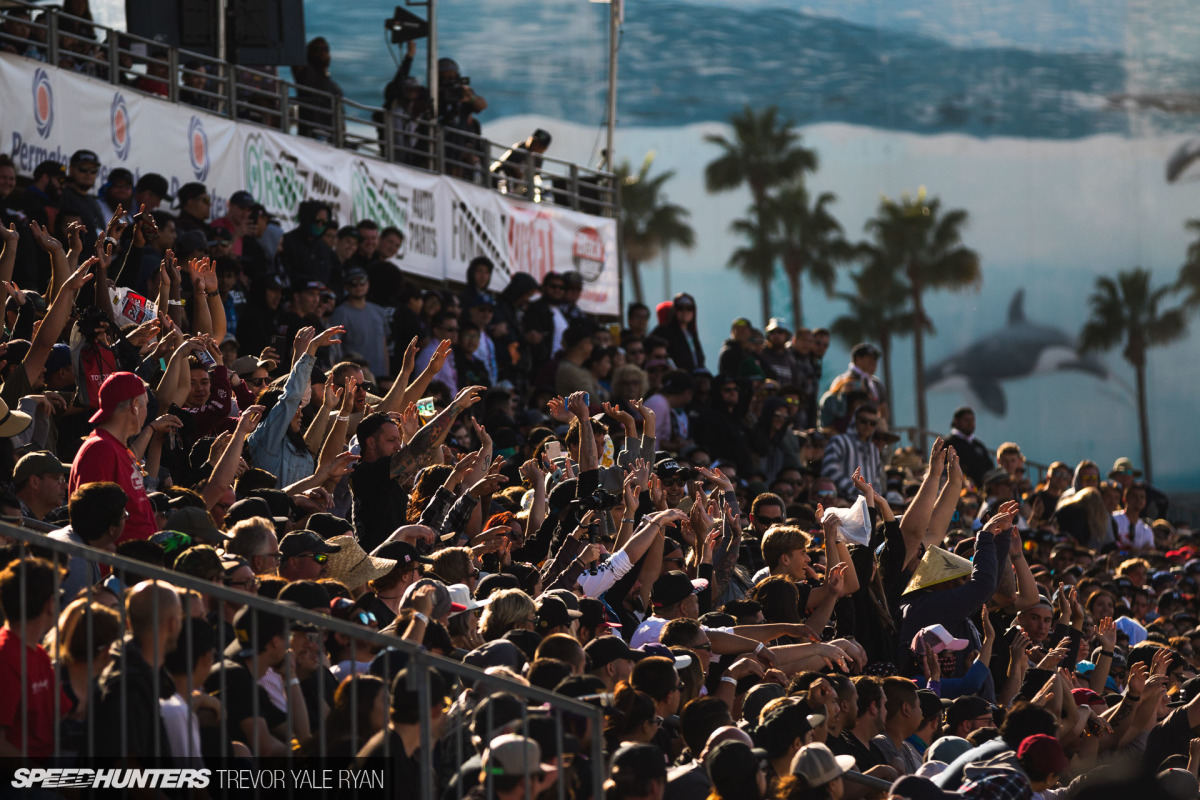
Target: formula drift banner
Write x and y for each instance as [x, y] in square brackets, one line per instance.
[532, 237]
[49, 113]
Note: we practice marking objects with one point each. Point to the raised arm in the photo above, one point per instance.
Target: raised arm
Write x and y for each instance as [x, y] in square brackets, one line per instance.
[416, 390]
[58, 258]
[947, 502]
[394, 400]
[8, 255]
[56, 319]
[226, 467]
[587, 442]
[410, 458]
[335, 440]
[916, 519]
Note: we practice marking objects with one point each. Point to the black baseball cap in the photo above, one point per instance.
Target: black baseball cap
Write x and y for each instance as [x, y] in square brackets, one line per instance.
[402, 553]
[970, 706]
[328, 525]
[674, 587]
[84, 157]
[52, 168]
[299, 542]
[554, 612]
[241, 198]
[281, 505]
[155, 184]
[604, 650]
[120, 175]
[252, 507]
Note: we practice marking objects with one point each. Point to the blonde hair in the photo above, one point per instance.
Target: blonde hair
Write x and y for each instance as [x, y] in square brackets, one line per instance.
[781, 540]
[1131, 563]
[1008, 448]
[624, 371]
[508, 609]
[452, 564]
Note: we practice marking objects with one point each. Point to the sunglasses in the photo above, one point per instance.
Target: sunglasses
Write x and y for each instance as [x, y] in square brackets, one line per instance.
[320, 558]
[769, 520]
[870, 423]
[258, 381]
[706, 646]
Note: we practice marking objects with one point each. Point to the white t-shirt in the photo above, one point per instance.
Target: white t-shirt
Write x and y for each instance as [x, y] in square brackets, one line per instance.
[1143, 535]
[606, 574]
[648, 631]
[183, 729]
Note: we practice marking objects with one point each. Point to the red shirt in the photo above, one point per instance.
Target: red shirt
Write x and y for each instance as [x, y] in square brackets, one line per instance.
[41, 682]
[103, 458]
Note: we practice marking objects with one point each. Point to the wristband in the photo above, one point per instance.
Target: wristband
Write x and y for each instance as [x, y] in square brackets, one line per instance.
[1108, 653]
[728, 679]
[175, 302]
[343, 419]
[293, 682]
[421, 617]
[760, 648]
[627, 519]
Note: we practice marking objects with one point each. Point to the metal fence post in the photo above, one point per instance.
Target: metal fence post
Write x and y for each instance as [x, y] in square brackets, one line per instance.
[285, 122]
[231, 88]
[114, 57]
[52, 36]
[339, 122]
[173, 74]
[439, 146]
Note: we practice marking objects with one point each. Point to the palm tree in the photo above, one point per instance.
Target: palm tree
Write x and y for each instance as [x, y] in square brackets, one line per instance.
[648, 222]
[922, 246]
[809, 241]
[763, 153]
[1189, 275]
[1126, 309]
[756, 260]
[878, 312]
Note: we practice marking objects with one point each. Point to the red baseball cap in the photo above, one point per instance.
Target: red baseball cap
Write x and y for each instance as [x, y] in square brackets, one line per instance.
[1087, 697]
[116, 389]
[1044, 754]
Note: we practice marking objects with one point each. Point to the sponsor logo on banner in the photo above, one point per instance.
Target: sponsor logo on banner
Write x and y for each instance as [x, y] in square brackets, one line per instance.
[384, 202]
[531, 243]
[198, 148]
[471, 234]
[280, 181]
[119, 122]
[43, 103]
[587, 252]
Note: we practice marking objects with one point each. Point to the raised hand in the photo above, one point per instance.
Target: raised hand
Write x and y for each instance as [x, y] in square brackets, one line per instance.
[860, 483]
[410, 421]
[556, 408]
[45, 240]
[1106, 632]
[410, 358]
[658, 497]
[717, 478]
[165, 423]
[80, 277]
[9, 235]
[348, 395]
[249, 420]
[953, 466]
[440, 354]
[620, 415]
[116, 225]
[577, 405]
[468, 397]
[937, 456]
[303, 339]
[646, 411]
[330, 335]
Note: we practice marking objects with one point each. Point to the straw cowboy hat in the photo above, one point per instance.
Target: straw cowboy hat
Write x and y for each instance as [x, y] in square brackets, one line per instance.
[937, 566]
[353, 566]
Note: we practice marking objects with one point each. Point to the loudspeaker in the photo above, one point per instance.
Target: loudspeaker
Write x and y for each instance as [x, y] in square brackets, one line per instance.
[406, 26]
[260, 32]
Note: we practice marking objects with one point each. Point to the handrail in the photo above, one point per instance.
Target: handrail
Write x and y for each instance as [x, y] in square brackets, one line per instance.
[424, 661]
[262, 97]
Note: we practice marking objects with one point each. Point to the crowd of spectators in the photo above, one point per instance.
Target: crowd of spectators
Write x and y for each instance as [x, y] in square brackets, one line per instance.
[766, 596]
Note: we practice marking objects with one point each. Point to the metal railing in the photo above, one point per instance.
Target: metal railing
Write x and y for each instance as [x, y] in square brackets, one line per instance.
[420, 665]
[262, 97]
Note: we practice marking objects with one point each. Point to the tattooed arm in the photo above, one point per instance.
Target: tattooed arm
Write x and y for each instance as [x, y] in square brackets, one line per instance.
[409, 459]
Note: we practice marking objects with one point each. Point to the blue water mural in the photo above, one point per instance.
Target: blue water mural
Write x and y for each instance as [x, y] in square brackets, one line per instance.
[1051, 121]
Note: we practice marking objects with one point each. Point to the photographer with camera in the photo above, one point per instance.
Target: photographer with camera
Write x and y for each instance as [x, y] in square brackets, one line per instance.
[457, 106]
[408, 102]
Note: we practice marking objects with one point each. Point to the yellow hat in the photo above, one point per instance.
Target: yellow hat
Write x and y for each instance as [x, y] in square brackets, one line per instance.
[937, 566]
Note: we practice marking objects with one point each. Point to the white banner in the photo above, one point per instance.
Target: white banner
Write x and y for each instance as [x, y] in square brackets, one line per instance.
[49, 113]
